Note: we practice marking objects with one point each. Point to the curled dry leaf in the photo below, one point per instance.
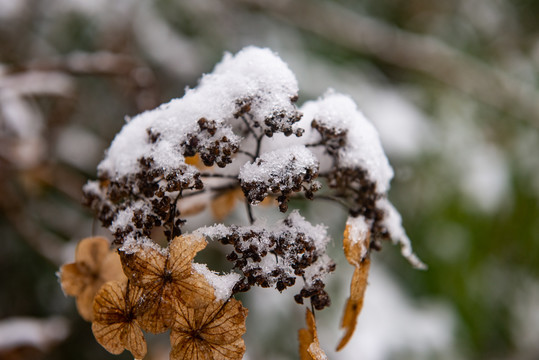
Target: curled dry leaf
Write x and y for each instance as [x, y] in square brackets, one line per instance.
[94, 265]
[354, 302]
[356, 249]
[210, 332]
[115, 325]
[356, 240]
[309, 346]
[165, 276]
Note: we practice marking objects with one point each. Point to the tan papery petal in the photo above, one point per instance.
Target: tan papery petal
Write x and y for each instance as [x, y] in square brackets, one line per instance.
[354, 302]
[70, 279]
[115, 326]
[91, 252]
[309, 347]
[210, 332]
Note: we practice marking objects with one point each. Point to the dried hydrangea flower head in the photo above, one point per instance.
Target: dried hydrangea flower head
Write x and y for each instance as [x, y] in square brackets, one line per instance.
[94, 265]
[239, 138]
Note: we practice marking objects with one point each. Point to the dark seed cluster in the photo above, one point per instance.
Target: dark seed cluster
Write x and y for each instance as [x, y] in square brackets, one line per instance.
[279, 121]
[295, 252]
[148, 196]
[352, 184]
[209, 142]
[332, 138]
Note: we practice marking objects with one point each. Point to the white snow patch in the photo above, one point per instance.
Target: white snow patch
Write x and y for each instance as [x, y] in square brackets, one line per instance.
[363, 149]
[278, 165]
[254, 74]
[222, 284]
[132, 246]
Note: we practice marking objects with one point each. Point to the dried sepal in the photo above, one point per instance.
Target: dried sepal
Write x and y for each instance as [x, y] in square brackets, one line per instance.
[210, 332]
[309, 346]
[164, 276]
[94, 265]
[354, 302]
[115, 325]
[191, 287]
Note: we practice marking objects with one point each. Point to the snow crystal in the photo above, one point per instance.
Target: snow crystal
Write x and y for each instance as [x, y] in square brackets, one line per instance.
[363, 148]
[393, 223]
[222, 284]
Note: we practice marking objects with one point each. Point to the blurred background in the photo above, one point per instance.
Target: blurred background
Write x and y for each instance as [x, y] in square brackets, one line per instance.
[452, 87]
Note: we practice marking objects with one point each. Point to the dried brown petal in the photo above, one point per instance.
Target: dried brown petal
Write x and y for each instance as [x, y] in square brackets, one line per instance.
[354, 302]
[70, 278]
[191, 287]
[94, 265]
[143, 265]
[115, 325]
[166, 276]
[309, 347]
[111, 267]
[90, 253]
[210, 332]
[146, 268]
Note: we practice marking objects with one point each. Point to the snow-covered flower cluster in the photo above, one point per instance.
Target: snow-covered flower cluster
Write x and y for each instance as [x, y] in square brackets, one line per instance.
[240, 129]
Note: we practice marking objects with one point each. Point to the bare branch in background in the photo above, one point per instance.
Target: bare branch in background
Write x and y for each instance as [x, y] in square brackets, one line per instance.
[397, 47]
[105, 63]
